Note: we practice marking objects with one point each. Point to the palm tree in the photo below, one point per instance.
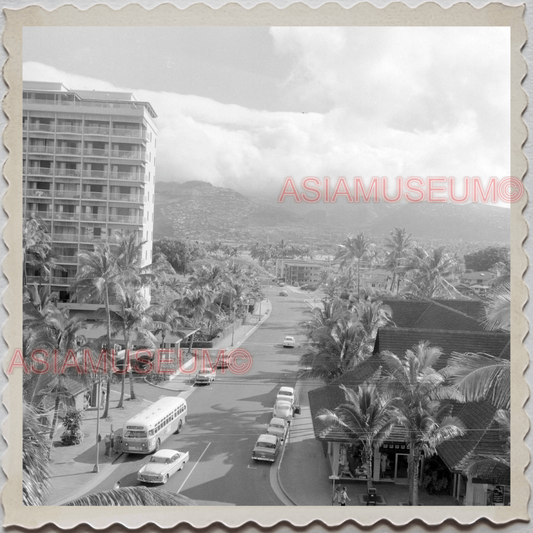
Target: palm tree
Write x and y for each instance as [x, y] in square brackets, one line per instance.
[479, 376]
[130, 496]
[498, 310]
[419, 389]
[58, 334]
[399, 244]
[35, 458]
[368, 415]
[429, 273]
[131, 317]
[36, 248]
[372, 315]
[353, 248]
[165, 319]
[99, 278]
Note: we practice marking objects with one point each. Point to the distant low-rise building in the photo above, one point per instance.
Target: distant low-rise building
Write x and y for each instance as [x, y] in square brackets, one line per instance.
[303, 271]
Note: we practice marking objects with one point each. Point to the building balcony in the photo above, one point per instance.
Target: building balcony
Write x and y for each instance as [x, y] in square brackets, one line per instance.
[36, 279]
[126, 154]
[41, 127]
[66, 194]
[66, 216]
[65, 237]
[65, 128]
[40, 149]
[105, 174]
[96, 152]
[38, 171]
[135, 134]
[72, 172]
[94, 217]
[124, 219]
[94, 195]
[55, 280]
[67, 259]
[96, 130]
[65, 150]
[138, 198]
[38, 193]
[92, 238]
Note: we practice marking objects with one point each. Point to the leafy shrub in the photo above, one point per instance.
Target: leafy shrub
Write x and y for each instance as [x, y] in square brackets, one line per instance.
[72, 422]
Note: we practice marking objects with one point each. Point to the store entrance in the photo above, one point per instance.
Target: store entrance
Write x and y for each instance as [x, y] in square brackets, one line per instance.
[401, 468]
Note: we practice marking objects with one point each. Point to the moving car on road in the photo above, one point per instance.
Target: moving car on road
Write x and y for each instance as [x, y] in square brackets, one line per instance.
[205, 377]
[288, 342]
[283, 410]
[284, 293]
[162, 465]
[266, 448]
[278, 427]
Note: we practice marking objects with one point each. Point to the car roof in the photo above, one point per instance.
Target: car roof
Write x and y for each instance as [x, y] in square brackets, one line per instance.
[276, 420]
[272, 439]
[289, 337]
[286, 389]
[165, 453]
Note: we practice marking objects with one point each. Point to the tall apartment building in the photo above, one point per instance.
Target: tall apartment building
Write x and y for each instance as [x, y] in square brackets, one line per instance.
[88, 170]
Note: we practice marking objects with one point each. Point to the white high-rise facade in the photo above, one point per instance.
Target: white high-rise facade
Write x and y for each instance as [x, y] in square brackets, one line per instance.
[88, 170]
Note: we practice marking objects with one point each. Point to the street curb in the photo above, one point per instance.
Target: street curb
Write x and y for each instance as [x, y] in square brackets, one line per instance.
[279, 477]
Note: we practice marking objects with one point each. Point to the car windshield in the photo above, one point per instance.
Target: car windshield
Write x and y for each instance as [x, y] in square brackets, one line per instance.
[283, 393]
[267, 445]
[277, 426]
[160, 460]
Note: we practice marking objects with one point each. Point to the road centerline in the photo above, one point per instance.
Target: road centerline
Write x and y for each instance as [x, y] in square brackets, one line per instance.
[189, 475]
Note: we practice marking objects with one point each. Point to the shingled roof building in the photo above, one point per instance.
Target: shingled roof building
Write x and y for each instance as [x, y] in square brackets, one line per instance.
[455, 327]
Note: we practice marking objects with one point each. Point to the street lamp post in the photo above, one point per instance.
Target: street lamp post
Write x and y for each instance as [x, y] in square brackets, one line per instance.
[233, 327]
[96, 468]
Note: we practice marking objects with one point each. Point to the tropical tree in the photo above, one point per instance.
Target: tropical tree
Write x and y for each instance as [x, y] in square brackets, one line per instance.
[398, 245]
[368, 416]
[36, 248]
[371, 315]
[35, 457]
[498, 309]
[129, 317]
[419, 390]
[130, 496]
[353, 249]
[165, 319]
[428, 273]
[58, 335]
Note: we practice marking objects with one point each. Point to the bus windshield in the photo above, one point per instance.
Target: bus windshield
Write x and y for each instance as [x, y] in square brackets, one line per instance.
[135, 434]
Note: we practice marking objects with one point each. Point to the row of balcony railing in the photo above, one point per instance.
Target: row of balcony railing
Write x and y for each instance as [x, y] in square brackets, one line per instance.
[88, 152]
[84, 103]
[87, 130]
[93, 217]
[118, 197]
[75, 173]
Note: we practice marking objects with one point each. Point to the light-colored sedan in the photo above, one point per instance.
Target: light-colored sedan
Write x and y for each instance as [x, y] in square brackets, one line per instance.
[283, 410]
[266, 448]
[278, 427]
[162, 465]
[205, 377]
[289, 342]
[286, 394]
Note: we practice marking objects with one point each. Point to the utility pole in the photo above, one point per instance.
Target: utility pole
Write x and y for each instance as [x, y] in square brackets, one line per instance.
[96, 468]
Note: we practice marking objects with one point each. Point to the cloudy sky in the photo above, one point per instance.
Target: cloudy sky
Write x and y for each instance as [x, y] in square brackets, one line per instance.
[247, 107]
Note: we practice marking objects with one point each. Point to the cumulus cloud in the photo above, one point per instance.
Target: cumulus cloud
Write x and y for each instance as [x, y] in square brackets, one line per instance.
[368, 101]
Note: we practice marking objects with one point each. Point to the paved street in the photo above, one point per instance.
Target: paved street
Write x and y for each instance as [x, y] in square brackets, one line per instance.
[225, 418]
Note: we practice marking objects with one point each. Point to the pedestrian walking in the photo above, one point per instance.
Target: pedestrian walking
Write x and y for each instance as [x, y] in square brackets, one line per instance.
[107, 442]
[344, 496]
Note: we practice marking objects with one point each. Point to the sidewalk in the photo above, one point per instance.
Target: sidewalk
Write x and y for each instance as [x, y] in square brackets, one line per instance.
[72, 466]
[72, 473]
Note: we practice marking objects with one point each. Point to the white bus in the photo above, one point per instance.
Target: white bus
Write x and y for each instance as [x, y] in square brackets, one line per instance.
[145, 432]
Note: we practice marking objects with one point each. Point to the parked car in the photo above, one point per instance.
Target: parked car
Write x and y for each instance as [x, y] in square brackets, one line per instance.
[205, 377]
[289, 342]
[278, 427]
[266, 448]
[283, 409]
[286, 394]
[162, 465]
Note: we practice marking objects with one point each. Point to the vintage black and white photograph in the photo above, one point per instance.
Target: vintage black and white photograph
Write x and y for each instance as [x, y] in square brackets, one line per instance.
[267, 265]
